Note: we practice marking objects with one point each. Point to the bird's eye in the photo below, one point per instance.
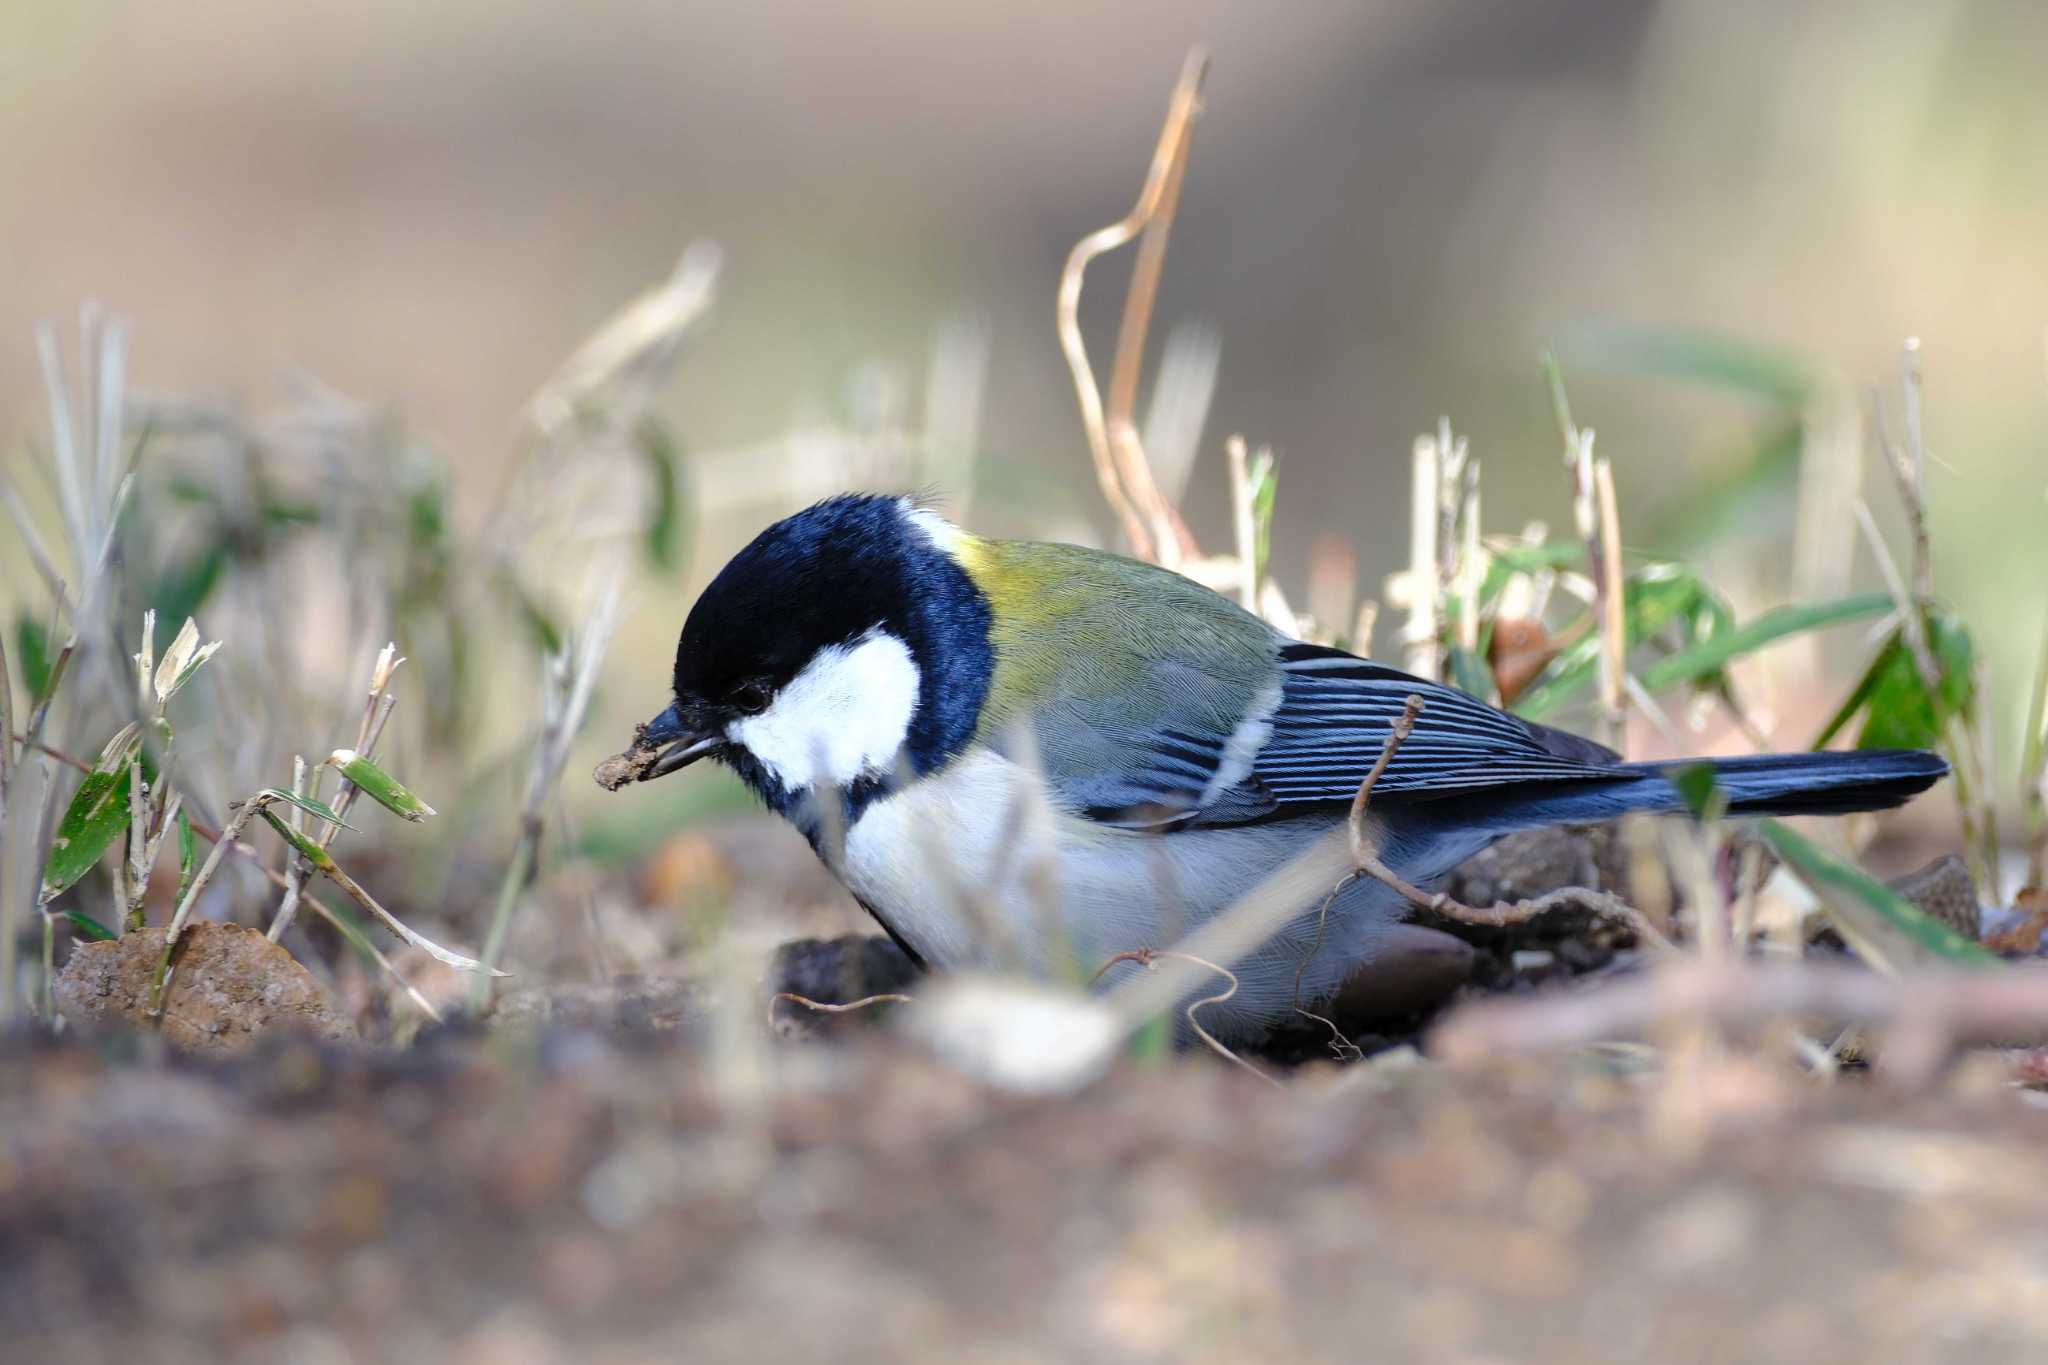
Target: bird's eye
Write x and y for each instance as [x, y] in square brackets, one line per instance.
[750, 698]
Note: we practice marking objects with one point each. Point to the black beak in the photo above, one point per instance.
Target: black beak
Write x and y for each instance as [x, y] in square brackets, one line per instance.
[680, 742]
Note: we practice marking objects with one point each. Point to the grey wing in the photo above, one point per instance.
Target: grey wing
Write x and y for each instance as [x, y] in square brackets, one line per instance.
[1335, 713]
[1159, 756]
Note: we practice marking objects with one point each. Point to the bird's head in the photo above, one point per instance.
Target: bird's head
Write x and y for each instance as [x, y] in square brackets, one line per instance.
[843, 649]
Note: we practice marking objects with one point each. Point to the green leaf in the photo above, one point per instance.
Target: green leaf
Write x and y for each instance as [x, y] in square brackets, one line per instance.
[1470, 674]
[1697, 357]
[665, 510]
[1655, 597]
[547, 636]
[1696, 785]
[1265, 489]
[315, 854]
[97, 815]
[379, 785]
[1754, 489]
[426, 516]
[188, 852]
[306, 804]
[184, 587]
[1704, 660]
[1886, 930]
[1898, 711]
[32, 647]
[86, 927]
[279, 513]
[1505, 562]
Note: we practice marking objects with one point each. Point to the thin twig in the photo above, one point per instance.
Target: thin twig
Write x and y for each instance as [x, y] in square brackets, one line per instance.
[823, 1007]
[377, 706]
[1365, 860]
[1171, 536]
[1404, 725]
[228, 837]
[1207, 1038]
[567, 683]
[1345, 1049]
[1112, 469]
[1147, 957]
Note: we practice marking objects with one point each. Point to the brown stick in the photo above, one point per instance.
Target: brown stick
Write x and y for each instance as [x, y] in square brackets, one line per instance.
[1366, 861]
[1112, 469]
[1167, 527]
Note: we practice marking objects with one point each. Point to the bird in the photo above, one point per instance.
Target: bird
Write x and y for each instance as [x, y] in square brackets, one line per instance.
[1029, 756]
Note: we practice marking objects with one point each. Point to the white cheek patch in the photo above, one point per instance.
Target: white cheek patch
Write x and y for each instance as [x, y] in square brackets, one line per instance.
[844, 717]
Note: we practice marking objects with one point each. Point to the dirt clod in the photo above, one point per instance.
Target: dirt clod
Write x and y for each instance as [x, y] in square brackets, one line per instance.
[228, 984]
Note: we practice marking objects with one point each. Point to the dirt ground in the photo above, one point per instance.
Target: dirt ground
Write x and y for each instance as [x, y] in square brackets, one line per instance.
[607, 1195]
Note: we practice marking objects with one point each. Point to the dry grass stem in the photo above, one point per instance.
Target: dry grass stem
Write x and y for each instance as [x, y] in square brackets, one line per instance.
[825, 1007]
[1208, 1039]
[1419, 589]
[1927, 1013]
[2034, 771]
[377, 706]
[1613, 611]
[1365, 861]
[1148, 958]
[1126, 481]
[384, 964]
[1345, 1049]
[567, 681]
[1243, 522]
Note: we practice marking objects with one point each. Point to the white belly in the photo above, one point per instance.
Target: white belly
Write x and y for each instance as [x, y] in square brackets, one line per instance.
[972, 867]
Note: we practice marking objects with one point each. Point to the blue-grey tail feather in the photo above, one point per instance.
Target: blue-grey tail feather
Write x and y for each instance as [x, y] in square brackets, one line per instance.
[1828, 783]
[1821, 783]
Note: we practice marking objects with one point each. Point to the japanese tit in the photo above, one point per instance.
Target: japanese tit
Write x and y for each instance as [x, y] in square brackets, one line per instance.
[1023, 754]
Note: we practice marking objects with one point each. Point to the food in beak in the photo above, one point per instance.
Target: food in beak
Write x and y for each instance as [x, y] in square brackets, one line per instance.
[660, 747]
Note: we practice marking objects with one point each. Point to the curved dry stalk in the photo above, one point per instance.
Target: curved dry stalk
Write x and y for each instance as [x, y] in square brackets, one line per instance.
[1926, 1013]
[1338, 1042]
[1403, 726]
[824, 1007]
[1366, 862]
[1147, 957]
[1120, 468]
[1209, 1039]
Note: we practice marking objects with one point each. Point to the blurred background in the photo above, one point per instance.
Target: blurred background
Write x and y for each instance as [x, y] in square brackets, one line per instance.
[1723, 218]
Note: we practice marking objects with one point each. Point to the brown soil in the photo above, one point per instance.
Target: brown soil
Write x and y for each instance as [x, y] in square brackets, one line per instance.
[577, 1196]
[227, 985]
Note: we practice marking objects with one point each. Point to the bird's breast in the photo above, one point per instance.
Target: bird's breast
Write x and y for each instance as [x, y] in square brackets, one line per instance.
[976, 866]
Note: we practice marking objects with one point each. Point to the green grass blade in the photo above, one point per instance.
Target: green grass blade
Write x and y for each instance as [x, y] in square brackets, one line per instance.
[306, 804]
[86, 927]
[97, 815]
[1710, 656]
[315, 854]
[380, 786]
[1886, 930]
